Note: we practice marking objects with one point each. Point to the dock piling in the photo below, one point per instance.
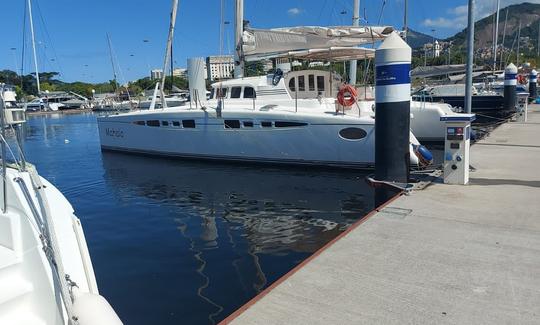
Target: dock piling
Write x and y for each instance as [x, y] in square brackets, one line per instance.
[392, 112]
[510, 82]
[533, 79]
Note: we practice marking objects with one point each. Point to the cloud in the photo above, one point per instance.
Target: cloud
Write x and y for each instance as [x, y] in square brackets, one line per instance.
[294, 11]
[457, 16]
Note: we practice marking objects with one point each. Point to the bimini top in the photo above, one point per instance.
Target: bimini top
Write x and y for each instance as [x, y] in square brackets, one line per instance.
[278, 42]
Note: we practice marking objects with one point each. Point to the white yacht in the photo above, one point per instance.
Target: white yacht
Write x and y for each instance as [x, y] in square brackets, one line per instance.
[10, 96]
[46, 274]
[253, 119]
[173, 100]
[287, 118]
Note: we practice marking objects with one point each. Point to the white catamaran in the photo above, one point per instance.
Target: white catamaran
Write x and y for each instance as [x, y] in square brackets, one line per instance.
[290, 118]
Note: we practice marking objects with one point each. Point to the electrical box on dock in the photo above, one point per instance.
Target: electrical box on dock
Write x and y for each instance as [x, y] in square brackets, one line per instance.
[456, 148]
[522, 100]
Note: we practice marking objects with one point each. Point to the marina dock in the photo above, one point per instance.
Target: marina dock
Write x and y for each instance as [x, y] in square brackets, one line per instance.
[446, 254]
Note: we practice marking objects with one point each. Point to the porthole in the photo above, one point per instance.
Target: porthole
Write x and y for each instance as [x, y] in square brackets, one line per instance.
[352, 133]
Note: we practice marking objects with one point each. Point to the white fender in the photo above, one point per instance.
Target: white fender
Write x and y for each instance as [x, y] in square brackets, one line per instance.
[92, 309]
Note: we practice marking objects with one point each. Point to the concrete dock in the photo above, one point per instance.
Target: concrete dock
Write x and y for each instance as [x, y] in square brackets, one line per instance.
[447, 254]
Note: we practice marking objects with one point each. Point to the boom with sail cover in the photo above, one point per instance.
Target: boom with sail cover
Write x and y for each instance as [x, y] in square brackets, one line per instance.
[278, 42]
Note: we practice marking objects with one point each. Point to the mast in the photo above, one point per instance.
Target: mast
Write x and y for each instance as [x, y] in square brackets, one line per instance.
[34, 45]
[538, 41]
[405, 26]
[172, 70]
[355, 22]
[221, 28]
[112, 61]
[168, 51]
[504, 36]
[238, 31]
[496, 37]
[470, 57]
[518, 41]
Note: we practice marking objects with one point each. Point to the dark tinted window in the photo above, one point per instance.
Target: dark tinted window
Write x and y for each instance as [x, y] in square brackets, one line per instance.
[287, 124]
[176, 123]
[301, 83]
[152, 123]
[222, 92]
[188, 123]
[291, 85]
[232, 124]
[139, 123]
[311, 82]
[353, 133]
[235, 92]
[249, 92]
[320, 83]
[248, 124]
[165, 123]
[266, 124]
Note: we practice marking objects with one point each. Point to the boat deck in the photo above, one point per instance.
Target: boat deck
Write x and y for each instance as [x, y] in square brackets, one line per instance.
[447, 254]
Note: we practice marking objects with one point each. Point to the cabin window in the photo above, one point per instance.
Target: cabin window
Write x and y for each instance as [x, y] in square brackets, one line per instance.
[221, 92]
[311, 82]
[232, 124]
[176, 123]
[188, 123]
[266, 124]
[165, 123]
[292, 85]
[301, 83]
[139, 122]
[248, 124]
[212, 91]
[235, 92]
[152, 123]
[352, 133]
[249, 92]
[320, 83]
[287, 124]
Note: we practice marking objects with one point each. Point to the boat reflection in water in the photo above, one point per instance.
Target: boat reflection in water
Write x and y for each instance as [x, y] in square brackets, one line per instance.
[244, 226]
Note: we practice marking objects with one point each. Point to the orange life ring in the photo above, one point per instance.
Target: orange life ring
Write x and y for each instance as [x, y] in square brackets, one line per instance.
[347, 95]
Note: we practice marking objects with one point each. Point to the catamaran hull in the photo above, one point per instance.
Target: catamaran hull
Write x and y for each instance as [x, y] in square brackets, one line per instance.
[299, 140]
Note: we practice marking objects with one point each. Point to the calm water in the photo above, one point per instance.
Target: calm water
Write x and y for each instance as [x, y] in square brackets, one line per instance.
[177, 242]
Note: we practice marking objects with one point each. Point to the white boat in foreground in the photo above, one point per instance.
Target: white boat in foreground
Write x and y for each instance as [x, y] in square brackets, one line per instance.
[46, 275]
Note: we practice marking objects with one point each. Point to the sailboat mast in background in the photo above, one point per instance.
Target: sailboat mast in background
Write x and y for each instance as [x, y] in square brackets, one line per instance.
[496, 37]
[34, 45]
[238, 31]
[112, 62]
[168, 52]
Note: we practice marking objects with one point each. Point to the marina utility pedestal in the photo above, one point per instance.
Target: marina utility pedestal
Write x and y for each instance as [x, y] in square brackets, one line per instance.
[521, 108]
[456, 148]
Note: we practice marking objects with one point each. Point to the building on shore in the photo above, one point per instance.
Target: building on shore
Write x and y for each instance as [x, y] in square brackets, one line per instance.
[219, 67]
[156, 74]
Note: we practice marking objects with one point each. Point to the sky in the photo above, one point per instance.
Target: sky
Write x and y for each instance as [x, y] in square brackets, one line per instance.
[71, 35]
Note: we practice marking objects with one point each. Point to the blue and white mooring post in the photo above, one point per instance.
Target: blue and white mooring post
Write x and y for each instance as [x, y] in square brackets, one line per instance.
[533, 79]
[392, 112]
[510, 82]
